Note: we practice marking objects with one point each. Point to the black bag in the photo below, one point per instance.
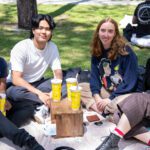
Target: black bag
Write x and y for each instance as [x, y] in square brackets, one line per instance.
[128, 31]
[140, 81]
[84, 76]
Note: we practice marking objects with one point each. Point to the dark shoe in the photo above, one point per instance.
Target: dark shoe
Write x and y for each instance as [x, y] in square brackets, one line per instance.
[110, 143]
[32, 144]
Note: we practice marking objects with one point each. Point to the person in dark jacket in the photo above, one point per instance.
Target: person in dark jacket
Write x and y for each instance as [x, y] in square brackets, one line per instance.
[113, 67]
[135, 117]
[8, 129]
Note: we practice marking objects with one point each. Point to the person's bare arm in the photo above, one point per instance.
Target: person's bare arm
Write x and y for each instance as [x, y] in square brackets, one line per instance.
[2, 85]
[100, 102]
[57, 74]
[97, 98]
[17, 79]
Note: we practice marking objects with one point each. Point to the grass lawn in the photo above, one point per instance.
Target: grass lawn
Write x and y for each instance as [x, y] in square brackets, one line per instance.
[73, 34]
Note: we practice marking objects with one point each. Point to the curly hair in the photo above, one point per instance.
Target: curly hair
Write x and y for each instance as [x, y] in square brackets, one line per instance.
[117, 45]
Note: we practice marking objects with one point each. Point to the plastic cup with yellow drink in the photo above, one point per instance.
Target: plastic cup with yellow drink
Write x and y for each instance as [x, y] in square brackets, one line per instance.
[3, 103]
[70, 82]
[75, 97]
[56, 89]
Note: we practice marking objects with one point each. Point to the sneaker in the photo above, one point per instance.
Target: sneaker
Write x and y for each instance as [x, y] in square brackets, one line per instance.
[32, 144]
[110, 143]
[41, 113]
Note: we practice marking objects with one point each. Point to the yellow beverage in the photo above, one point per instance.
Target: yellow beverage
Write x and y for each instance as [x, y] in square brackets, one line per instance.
[70, 82]
[56, 89]
[2, 103]
[75, 97]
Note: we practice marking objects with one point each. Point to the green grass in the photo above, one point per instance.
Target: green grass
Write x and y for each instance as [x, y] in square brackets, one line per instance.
[73, 34]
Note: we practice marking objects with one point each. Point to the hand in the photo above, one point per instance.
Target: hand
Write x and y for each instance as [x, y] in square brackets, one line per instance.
[101, 104]
[45, 98]
[111, 107]
[8, 105]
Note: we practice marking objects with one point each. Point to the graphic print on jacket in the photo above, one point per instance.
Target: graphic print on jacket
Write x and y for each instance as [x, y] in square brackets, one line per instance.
[109, 76]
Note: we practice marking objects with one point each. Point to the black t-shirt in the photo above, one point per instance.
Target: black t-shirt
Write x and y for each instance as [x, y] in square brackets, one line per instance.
[3, 68]
[142, 13]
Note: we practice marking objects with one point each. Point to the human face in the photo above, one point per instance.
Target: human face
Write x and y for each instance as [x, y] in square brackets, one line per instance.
[107, 34]
[42, 34]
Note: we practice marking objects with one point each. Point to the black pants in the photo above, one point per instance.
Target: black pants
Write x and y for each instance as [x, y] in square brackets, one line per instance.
[10, 131]
[25, 102]
[23, 106]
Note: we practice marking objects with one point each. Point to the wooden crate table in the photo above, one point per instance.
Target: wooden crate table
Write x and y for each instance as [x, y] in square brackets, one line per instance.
[69, 123]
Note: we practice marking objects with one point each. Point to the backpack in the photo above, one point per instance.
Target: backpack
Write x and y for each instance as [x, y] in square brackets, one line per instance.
[128, 31]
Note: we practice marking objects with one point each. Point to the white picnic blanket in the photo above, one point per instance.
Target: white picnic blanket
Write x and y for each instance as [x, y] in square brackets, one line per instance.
[93, 136]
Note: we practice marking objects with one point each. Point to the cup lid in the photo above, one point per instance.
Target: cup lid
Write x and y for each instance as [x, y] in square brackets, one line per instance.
[71, 80]
[56, 81]
[2, 95]
[75, 88]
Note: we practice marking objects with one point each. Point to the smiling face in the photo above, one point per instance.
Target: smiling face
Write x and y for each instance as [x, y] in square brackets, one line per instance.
[106, 34]
[42, 34]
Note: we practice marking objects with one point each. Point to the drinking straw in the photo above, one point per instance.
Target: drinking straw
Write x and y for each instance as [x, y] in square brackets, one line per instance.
[77, 81]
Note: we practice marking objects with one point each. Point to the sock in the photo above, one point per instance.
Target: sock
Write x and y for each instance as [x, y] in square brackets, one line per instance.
[118, 132]
[149, 143]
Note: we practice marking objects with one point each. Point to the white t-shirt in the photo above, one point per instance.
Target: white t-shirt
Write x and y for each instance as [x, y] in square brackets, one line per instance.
[32, 62]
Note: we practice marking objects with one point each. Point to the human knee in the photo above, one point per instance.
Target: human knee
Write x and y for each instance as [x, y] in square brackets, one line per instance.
[15, 92]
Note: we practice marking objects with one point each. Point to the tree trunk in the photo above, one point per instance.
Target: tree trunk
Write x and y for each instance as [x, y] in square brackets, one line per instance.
[26, 10]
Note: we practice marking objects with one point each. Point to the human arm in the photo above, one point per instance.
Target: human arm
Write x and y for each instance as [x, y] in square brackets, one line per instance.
[2, 85]
[129, 71]
[95, 83]
[17, 79]
[57, 74]
[26, 68]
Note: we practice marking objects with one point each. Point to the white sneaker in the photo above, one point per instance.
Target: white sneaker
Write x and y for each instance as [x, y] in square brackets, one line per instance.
[41, 113]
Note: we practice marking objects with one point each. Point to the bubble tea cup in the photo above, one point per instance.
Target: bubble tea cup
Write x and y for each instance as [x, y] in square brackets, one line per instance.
[75, 97]
[70, 82]
[2, 103]
[56, 89]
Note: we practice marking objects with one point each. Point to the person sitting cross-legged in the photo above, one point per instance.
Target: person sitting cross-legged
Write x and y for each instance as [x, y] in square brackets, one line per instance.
[29, 60]
[114, 69]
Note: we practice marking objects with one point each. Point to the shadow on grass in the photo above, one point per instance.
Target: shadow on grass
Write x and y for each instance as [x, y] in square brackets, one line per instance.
[66, 8]
[72, 35]
[8, 14]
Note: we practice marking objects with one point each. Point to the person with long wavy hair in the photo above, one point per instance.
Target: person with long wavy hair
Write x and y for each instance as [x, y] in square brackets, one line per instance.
[114, 68]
